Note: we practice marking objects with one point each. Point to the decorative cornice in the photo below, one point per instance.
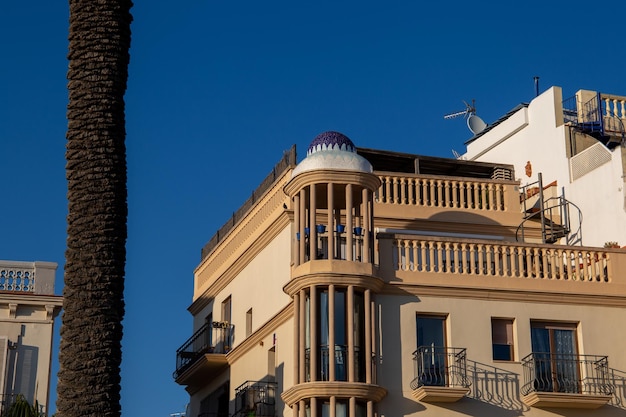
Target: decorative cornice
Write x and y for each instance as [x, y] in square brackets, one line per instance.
[364, 179]
[233, 244]
[255, 338]
[237, 266]
[326, 278]
[325, 389]
[30, 299]
[501, 294]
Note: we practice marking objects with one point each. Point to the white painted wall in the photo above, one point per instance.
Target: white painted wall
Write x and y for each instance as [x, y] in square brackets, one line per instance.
[542, 142]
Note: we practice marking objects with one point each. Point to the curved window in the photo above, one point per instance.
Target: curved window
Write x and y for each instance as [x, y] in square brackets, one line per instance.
[342, 408]
[338, 354]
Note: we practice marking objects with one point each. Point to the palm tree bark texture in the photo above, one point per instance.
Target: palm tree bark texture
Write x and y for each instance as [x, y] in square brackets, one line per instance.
[91, 331]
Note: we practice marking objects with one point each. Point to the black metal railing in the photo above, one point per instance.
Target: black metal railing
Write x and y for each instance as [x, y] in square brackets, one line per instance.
[340, 363]
[566, 373]
[255, 398]
[213, 414]
[214, 337]
[440, 366]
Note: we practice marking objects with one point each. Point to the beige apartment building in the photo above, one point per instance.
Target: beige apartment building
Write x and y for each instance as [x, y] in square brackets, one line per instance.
[28, 308]
[362, 283]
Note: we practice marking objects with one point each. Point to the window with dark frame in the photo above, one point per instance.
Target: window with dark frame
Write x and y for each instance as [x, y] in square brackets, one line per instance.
[248, 322]
[502, 339]
[226, 310]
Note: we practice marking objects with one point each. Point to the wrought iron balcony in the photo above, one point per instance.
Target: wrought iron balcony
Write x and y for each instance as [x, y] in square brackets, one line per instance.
[548, 376]
[568, 373]
[211, 338]
[440, 366]
[255, 398]
[440, 374]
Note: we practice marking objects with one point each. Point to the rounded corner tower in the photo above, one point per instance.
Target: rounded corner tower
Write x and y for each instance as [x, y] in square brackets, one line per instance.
[333, 279]
[332, 190]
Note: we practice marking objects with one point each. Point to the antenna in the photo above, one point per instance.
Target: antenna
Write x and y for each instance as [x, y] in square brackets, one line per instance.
[468, 110]
[474, 123]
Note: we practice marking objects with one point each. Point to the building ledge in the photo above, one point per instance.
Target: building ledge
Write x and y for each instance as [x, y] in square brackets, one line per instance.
[565, 400]
[206, 367]
[432, 394]
[360, 390]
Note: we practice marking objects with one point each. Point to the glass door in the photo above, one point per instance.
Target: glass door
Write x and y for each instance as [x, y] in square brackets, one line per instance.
[556, 357]
[431, 344]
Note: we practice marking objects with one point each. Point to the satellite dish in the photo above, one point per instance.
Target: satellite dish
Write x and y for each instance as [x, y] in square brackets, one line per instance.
[476, 124]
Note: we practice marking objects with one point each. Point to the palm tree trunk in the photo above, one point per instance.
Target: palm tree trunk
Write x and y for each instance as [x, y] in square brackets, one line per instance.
[91, 331]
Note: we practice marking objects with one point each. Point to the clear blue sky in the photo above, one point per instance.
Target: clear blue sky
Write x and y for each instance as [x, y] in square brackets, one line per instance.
[219, 89]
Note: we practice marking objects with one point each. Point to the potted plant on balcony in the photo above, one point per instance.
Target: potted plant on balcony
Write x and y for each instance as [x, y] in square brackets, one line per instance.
[22, 408]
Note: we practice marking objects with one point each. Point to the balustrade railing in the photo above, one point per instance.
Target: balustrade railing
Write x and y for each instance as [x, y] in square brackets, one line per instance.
[435, 191]
[566, 373]
[604, 113]
[614, 113]
[214, 337]
[17, 279]
[503, 259]
[440, 366]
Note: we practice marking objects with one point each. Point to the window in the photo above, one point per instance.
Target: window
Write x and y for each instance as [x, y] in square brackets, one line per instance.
[248, 322]
[216, 403]
[431, 350]
[227, 333]
[226, 310]
[342, 408]
[502, 339]
[556, 357]
[271, 364]
[337, 355]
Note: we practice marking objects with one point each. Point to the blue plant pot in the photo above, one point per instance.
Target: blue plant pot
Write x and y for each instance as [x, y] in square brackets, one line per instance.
[358, 231]
[320, 228]
[341, 228]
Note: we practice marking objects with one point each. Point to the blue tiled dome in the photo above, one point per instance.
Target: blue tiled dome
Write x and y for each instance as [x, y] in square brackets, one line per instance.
[332, 151]
[331, 141]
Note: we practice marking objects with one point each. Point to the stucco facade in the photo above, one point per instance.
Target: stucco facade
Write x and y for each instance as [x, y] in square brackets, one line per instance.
[28, 308]
[370, 283]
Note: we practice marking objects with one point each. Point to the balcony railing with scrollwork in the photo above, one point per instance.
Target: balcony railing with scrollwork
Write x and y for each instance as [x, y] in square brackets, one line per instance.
[256, 398]
[17, 279]
[440, 366]
[566, 373]
[214, 337]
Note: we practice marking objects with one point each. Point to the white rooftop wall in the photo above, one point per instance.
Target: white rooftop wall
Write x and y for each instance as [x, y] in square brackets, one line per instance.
[537, 135]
